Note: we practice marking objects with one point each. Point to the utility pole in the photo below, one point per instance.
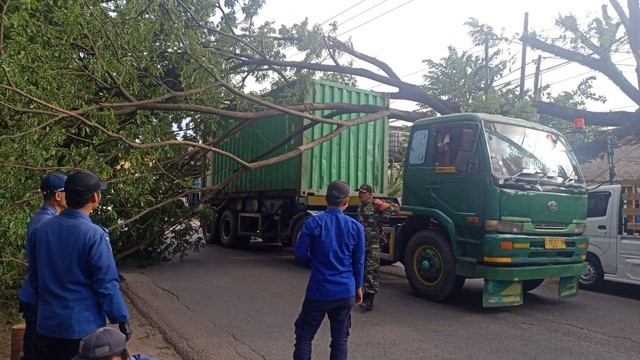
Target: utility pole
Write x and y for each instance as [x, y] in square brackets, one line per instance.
[536, 80]
[524, 54]
[486, 66]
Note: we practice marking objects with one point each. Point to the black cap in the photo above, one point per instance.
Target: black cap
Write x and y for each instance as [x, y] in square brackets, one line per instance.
[103, 342]
[85, 182]
[365, 188]
[338, 190]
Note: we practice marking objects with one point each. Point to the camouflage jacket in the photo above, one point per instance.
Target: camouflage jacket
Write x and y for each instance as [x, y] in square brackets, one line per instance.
[373, 213]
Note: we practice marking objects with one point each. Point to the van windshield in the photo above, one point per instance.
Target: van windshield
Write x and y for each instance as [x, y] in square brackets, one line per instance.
[522, 155]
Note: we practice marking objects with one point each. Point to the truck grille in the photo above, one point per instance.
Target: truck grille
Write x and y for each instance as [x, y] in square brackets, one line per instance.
[549, 226]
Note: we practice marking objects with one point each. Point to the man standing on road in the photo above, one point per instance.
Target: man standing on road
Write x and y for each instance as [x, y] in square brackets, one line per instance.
[372, 213]
[332, 244]
[74, 274]
[52, 189]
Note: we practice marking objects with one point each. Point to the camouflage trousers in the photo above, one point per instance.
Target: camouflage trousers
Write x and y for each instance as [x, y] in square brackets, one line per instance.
[371, 267]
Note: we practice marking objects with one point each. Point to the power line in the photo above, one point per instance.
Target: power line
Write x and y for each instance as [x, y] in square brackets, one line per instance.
[377, 17]
[342, 12]
[363, 12]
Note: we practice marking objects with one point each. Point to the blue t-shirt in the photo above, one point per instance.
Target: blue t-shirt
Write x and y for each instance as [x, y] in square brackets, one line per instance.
[74, 276]
[332, 243]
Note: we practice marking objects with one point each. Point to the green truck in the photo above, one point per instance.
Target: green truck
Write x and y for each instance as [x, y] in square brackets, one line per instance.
[271, 202]
[491, 197]
[484, 196]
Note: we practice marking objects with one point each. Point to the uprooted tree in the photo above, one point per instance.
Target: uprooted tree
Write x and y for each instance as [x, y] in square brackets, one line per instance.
[139, 91]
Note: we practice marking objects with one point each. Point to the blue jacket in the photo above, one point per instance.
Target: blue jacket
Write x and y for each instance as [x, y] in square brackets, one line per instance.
[333, 245]
[74, 276]
[46, 212]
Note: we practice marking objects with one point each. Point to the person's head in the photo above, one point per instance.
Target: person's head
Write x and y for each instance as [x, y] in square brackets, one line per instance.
[103, 344]
[82, 190]
[364, 192]
[338, 194]
[52, 188]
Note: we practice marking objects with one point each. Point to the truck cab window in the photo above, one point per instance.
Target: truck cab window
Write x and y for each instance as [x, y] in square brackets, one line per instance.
[418, 150]
[598, 203]
[447, 144]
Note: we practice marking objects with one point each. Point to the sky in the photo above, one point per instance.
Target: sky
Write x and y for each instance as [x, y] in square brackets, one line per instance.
[403, 33]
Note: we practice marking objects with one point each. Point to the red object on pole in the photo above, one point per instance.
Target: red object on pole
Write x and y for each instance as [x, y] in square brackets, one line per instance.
[578, 123]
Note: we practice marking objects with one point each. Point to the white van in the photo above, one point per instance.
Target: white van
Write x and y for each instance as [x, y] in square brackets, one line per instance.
[614, 236]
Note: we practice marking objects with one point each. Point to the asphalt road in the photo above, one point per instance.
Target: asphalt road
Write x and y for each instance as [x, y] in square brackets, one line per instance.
[241, 304]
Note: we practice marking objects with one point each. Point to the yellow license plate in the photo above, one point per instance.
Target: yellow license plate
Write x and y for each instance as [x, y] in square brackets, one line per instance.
[554, 243]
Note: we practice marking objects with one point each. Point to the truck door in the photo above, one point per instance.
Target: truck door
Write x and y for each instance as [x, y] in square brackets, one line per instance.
[433, 178]
[602, 227]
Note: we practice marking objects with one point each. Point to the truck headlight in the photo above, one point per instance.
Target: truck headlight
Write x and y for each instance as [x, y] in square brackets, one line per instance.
[580, 229]
[504, 226]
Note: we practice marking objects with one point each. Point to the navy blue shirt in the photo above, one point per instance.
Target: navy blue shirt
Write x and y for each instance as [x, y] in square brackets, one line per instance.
[45, 212]
[74, 276]
[333, 245]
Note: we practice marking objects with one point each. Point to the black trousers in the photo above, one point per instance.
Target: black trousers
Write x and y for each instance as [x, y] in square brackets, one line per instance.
[51, 348]
[309, 320]
[30, 339]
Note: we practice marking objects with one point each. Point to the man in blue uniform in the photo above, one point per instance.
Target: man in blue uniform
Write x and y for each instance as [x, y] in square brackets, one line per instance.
[332, 244]
[52, 189]
[74, 273]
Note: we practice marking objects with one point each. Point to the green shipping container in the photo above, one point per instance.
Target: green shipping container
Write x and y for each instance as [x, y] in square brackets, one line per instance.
[357, 155]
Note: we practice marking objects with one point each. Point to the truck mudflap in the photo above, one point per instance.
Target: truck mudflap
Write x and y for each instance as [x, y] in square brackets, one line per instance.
[510, 293]
[502, 293]
[504, 286]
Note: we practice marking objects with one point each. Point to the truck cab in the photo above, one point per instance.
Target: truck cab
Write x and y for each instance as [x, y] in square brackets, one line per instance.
[491, 197]
[614, 236]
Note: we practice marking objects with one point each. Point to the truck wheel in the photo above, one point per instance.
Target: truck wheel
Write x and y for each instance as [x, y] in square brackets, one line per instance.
[528, 285]
[594, 275]
[296, 232]
[228, 231]
[210, 230]
[430, 266]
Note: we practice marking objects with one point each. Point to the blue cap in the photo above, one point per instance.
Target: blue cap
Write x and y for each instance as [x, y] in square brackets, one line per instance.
[52, 183]
[103, 342]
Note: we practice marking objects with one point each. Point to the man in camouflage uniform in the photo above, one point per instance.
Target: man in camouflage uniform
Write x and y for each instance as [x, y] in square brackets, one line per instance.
[372, 213]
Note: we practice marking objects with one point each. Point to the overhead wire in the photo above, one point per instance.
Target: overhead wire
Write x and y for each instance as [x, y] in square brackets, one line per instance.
[375, 18]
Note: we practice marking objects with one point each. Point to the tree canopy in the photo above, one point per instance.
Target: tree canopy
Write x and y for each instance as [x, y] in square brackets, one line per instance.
[139, 92]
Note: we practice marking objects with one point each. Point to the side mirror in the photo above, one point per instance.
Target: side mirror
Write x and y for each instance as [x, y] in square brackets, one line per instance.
[467, 143]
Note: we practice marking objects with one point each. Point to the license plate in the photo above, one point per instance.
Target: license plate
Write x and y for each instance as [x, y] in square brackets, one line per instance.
[554, 243]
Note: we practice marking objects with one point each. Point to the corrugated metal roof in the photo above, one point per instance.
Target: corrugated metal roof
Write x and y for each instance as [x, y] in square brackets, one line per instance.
[626, 159]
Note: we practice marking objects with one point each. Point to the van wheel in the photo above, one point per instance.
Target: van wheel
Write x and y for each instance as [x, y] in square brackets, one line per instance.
[228, 231]
[528, 285]
[594, 275]
[430, 266]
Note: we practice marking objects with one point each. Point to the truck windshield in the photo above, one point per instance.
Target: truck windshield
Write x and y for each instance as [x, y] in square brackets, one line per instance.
[531, 159]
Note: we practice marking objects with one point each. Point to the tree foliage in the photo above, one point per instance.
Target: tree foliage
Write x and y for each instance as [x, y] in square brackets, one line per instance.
[141, 91]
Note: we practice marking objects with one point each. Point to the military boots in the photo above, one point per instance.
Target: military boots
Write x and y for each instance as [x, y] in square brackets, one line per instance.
[367, 301]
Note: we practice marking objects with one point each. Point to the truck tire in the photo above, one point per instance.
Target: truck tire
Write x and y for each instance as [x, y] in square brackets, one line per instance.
[228, 231]
[430, 266]
[296, 232]
[594, 275]
[528, 285]
[210, 231]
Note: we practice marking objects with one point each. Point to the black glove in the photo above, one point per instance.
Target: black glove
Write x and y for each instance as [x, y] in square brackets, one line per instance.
[125, 328]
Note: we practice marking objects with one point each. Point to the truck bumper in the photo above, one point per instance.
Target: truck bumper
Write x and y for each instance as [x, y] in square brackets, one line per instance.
[530, 272]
